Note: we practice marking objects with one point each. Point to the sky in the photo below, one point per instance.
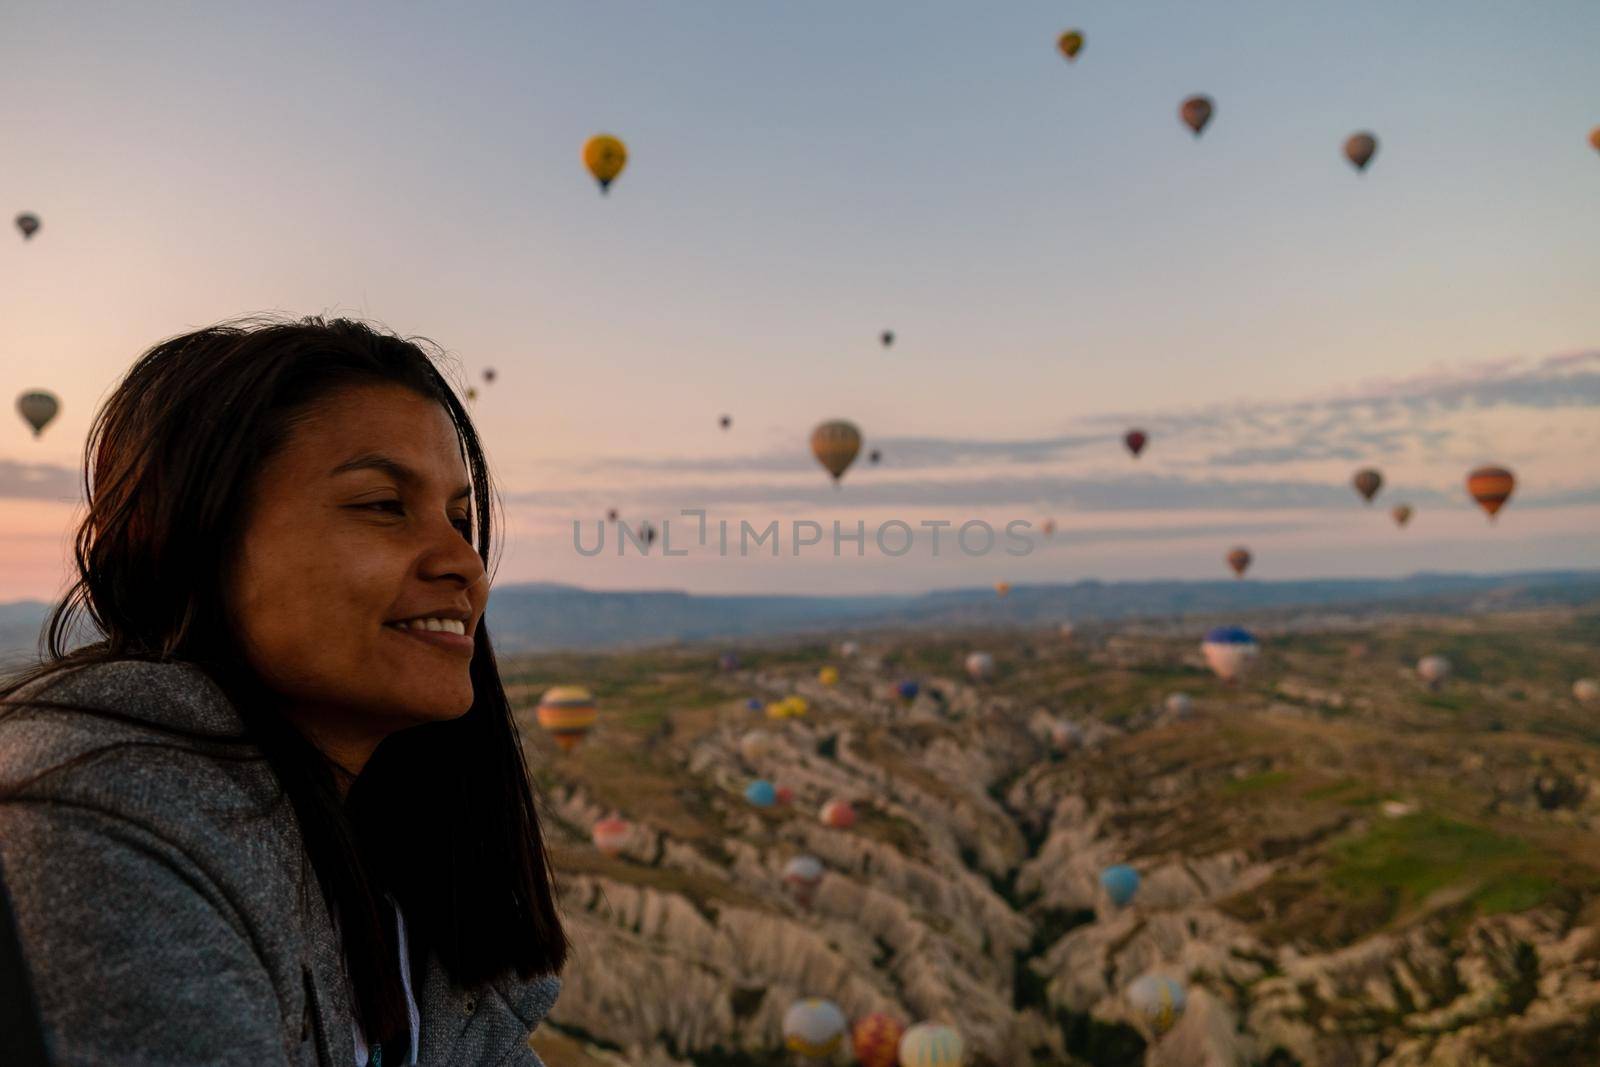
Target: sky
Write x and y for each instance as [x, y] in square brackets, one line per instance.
[1058, 257]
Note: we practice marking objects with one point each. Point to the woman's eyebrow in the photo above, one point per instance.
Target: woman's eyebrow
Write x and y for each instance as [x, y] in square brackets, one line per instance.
[393, 468]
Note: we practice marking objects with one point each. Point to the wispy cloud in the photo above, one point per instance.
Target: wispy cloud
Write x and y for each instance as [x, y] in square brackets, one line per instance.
[37, 481]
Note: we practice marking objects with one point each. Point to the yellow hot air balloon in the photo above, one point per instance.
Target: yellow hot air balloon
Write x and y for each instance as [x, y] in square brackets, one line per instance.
[1071, 43]
[835, 444]
[1491, 487]
[568, 712]
[605, 156]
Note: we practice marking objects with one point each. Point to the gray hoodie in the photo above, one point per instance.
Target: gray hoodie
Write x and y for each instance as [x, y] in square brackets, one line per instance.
[167, 911]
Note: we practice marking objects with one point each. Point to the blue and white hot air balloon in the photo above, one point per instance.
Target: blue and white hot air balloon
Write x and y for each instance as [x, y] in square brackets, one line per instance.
[1229, 651]
[1121, 882]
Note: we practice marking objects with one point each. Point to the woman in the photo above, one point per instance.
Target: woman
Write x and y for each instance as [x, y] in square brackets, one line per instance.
[279, 813]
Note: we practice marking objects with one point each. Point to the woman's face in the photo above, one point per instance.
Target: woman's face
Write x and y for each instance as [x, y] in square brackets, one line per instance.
[358, 530]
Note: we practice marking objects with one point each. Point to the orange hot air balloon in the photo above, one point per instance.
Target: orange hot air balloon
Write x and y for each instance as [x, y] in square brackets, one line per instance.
[1071, 43]
[1135, 440]
[568, 713]
[1049, 527]
[605, 156]
[1594, 138]
[1491, 487]
[1402, 514]
[1239, 559]
[1367, 482]
[1001, 589]
[838, 814]
[876, 1040]
[1359, 149]
[835, 444]
[1196, 112]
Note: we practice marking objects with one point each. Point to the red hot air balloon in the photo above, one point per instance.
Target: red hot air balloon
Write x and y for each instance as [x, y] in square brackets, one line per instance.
[1196, 112]
[876, 1040]
[1239, 560]
[1491, 487]
[1135, 440]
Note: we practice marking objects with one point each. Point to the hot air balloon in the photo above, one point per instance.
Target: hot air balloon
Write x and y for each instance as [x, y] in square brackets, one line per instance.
[1491, 487]
[1229, 650]
[1434, 670]
[876, 1040]
[568, 713]
[1239, 559]
[1049, 527]
[1066, 736]
[647, 533]
[828, 675]
[1071, 43]
[907, 690]
[838, 814]
[1401, 514]
[472, 393]
[725, 421]
[488, 375]
[1120, 882]
[611, 834]
[761, 793]
[28, 223]
[1594, 138]
[887, 337]
[1367, 482]
[605, 156]
[1196, 112]
[783, 795]
[38, 408]
[611, 514]
[980, 666]
[835, 444]
[1066, 630]
[1159, 999]
[1179, 705]
[1586, 691]
[875, 457]
[1359, 149]
[755, 746]
[1135, 440]
[754, 704]
[814, 1027]
[1001, 589]
[803, 874]
[931, 1045]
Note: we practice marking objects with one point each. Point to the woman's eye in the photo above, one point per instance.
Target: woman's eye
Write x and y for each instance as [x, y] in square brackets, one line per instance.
[385, 505]
[463, 524]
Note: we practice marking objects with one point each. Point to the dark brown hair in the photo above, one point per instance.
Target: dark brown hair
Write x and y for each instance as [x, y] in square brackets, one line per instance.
[442, 817]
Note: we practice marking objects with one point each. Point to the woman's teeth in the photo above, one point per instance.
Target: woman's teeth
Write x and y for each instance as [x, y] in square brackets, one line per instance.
[449, 626]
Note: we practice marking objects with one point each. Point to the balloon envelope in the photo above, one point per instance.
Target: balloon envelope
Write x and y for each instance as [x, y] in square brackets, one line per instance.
[725, 421]
[887, 337]
[1196, 112]
[1179, 705]
[1121, 882]
[1135, 440]
[813, 1027]
[1071, 43]
[876, 1040]
[835, 444]
[1402, 514]
[838, 814]
[611, 834]
[1491, 487]
[1586, 691]
[1367, 482]
[908, 690]
[1159, 999]
[1434, 670]
[1594, 138]
[931, 1045]
[1359, 149]
[980, 666]
[605, 156]
[37, 408]
[28, 223]
[1229, 651]
[568, 713]
[828, 675]
[1239, 559]
[1001, 589]
[761, 793]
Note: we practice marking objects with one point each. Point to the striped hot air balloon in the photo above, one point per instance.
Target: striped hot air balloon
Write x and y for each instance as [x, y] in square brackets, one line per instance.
[931, 1045]
[1491, 487]
[1229, 651]
[835, 444]
[802, 875]
[1159, 999]
[814, 1027]
[568, 713]
[1367, 482]
[876, 1040]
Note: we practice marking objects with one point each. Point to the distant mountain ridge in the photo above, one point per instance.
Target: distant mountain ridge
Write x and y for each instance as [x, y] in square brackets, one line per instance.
[547, 615]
